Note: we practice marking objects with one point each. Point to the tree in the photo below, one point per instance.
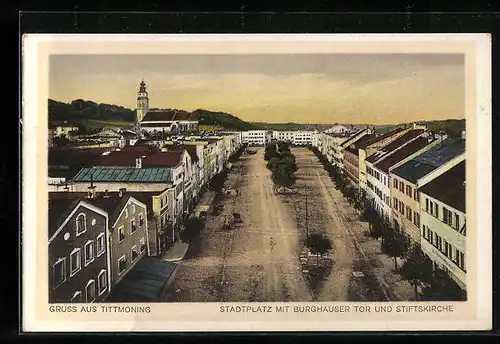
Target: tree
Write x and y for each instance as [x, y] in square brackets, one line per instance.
[394, 245]
[194, 227]
[443, 288]
[319, 244]
[370, 215]
[282, 177]
[217, 183]
[417, 269]
[270, 152]
[273, 163]
[289, 163]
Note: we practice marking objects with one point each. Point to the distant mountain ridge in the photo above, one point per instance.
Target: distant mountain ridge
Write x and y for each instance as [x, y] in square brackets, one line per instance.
[91, 115]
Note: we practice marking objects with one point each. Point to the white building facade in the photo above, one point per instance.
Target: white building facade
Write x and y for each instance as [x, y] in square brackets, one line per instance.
[444, 223]
[256, 137]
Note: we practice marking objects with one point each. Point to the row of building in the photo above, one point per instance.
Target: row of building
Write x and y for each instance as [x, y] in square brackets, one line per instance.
[414, 178]
[113, 210]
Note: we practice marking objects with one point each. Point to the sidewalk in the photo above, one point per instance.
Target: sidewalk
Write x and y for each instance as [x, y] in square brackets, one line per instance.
[176, 252]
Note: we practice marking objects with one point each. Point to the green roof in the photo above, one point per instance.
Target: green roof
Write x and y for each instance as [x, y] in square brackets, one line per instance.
[125, 174]
[144, 282]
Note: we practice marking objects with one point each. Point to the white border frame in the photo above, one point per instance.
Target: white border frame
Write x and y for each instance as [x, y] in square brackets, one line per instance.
[482, 192]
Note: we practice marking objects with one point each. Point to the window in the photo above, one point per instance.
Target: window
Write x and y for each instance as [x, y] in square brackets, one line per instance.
[449, 254]
[75, 261]
[395, 183]
[401, 187]
[90, 291]
[122, 264]
[436, 206]
[143, 245]
[439, 242]
[134, 253]
[77, 297]
[59, 272]
[461, 260]
[427, 205]
[81, 224]
[89, 252]
[415, 194]
[457, 221]
[100, 244]
[102, 280]
[141, 220]
[121, 234]
[132, 209]
[133, 227]
[395, 203]
[416, 219]
[431, 207]
[445, 215]
[408, 213]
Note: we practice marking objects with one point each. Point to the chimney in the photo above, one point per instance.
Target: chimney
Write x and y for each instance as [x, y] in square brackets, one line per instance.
[122, 192]
[91, 192]
[138, 162]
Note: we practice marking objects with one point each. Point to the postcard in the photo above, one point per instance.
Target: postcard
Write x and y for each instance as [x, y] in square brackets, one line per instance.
[179, 183]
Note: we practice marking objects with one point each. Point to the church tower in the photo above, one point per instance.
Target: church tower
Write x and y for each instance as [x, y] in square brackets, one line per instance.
[142, 102]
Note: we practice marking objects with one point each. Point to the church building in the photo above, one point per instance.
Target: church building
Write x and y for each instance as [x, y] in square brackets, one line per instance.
[158, 121]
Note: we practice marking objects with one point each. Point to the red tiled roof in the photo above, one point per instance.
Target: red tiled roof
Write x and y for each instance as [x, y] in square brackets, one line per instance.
[163, 159]
[353, 148]
[401, 154]
[140, 149]
[410, 135]
[120, 158]
[169, 115]
[378, 138]
[59, 156]
[191, 149]
[449, 187]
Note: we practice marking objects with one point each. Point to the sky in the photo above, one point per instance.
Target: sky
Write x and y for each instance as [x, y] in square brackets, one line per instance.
[303, 88]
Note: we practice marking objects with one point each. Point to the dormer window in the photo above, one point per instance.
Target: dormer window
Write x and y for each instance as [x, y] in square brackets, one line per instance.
[81, 224]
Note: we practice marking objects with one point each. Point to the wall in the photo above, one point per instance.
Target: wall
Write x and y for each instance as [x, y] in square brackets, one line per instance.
[102, 186]
[124, 247]
[448, 235]
[406, 225]
[383, 204]
[60, 248]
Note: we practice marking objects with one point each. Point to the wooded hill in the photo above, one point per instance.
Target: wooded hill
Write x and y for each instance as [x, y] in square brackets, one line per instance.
[90, 115]
[86, 113]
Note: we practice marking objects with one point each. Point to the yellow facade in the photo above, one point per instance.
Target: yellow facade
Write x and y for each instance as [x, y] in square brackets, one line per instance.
[405, 207]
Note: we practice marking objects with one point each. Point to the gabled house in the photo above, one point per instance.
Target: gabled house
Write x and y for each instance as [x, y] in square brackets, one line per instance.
[128, 231]
[78, 253]
[169, 121]
[378, 179]
[443, 204]
[408, 178]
